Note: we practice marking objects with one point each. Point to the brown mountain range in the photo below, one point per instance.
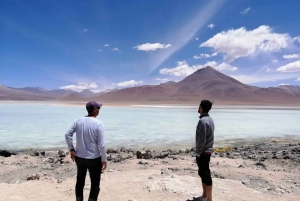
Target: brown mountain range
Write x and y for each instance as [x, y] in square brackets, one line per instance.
[205, 83]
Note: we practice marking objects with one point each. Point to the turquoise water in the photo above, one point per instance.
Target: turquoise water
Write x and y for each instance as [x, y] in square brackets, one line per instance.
[43, 125]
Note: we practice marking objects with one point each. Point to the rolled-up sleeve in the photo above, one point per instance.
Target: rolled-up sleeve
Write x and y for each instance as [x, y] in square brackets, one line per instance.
[69, 136]
[200, 137]
[101, 143]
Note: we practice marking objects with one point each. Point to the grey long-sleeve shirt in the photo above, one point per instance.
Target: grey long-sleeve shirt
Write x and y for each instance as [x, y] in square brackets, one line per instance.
[204, 135]
[90, 139]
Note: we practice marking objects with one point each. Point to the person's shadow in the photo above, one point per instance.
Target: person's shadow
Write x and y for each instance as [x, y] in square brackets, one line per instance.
[195, 199]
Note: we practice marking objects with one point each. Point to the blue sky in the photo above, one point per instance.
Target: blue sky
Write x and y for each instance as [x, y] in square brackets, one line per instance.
[113, 44]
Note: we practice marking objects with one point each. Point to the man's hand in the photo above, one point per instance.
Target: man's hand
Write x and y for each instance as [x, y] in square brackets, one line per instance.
[73, 155]
[104, 165]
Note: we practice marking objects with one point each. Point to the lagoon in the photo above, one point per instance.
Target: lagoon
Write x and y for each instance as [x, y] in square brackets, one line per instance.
[42, 125]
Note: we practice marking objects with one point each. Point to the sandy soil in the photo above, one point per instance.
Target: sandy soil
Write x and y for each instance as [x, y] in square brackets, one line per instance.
[134, 179]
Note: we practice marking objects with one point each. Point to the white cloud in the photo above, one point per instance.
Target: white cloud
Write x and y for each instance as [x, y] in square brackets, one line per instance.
[203, 56]
[291, 67]
[85, 30]
[258, 78]
[129, 83]
[106, 45]
[81, 86]
[298, 79]
[151, 46]
[183, 69]
[245, 11]
[268, 70]
[282, 85]
[196, 38]
[99, 50]
[115, 49]
[291, 56]
[297, 39]
[275, 61]
[241, 43]
[162, 80]
[211, 26]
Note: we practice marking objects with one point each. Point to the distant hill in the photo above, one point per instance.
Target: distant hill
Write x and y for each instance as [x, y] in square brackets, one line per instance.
[205, 83]
[290, 88]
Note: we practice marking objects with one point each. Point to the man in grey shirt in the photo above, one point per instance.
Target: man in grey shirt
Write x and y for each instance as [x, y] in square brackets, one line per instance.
[90, 153]
[204, 148]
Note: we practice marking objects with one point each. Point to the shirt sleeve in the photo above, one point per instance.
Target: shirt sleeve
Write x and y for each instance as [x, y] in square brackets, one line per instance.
[101, 143]
[200, 137]
[69, 136]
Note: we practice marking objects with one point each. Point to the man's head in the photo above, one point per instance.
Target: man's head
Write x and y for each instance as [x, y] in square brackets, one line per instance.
[205, 106]
[93, 108]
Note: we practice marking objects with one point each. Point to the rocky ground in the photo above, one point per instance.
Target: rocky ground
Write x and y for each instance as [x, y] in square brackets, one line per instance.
[268, 171]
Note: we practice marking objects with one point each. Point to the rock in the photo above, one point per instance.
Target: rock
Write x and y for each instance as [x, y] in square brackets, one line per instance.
[154, 155]
[33, 152]
[43, 153]
[260, 164]
[116, 158]
[241, 166]
[164, 154]
[33, 177]
[61, 154]
[6, 153]
[147, 155]
[143, 162]
[166, 172]
[111, 151]
[140, 154]
[122, 149]
[182, 151]
[245, 182]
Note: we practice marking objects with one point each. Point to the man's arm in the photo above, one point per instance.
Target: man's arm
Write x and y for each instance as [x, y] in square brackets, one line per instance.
[200, 137]
[69, 140]
[101, 146]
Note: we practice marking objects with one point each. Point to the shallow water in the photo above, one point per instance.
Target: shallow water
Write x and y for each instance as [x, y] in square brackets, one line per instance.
[43, 125]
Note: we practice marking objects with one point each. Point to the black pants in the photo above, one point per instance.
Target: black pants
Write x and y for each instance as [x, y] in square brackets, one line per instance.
[94, 166]
[204, 171]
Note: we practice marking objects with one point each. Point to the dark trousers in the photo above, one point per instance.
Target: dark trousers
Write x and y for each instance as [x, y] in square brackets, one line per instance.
[94, 166]
[204, 171]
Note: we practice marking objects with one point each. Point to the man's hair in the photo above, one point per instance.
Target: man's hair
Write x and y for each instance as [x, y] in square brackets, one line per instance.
[206, 105]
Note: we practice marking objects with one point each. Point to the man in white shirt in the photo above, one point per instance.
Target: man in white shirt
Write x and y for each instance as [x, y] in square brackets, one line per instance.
[90, 152]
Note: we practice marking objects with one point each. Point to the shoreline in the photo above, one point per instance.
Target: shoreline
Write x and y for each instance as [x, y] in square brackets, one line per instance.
[218, 144]
[193, 104]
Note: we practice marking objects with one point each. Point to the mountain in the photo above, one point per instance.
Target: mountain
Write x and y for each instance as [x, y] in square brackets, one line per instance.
[7, 93]
[86, 93]
[290, 88]
[205, 83]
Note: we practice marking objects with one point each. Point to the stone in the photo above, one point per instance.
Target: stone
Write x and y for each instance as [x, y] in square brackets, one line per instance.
[61, 154]
[33, 177]
[6, 153]
[245, 182]
[111, 151]
[164, 154]
[33, 152]
[140, 154]
[122, 149]
[143, 162]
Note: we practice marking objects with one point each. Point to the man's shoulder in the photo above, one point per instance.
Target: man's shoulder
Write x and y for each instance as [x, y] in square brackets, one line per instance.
[97, 121]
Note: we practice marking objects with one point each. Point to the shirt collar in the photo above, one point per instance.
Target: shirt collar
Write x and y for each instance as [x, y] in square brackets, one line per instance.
[204, 115]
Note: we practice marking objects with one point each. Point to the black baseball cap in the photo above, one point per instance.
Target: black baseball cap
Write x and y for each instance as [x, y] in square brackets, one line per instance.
[91, 105]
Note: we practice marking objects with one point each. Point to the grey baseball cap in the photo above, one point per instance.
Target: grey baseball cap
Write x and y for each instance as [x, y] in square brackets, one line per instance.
[91, 105]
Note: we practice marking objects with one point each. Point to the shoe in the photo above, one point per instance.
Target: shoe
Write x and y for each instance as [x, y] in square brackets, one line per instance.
[203, 199]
